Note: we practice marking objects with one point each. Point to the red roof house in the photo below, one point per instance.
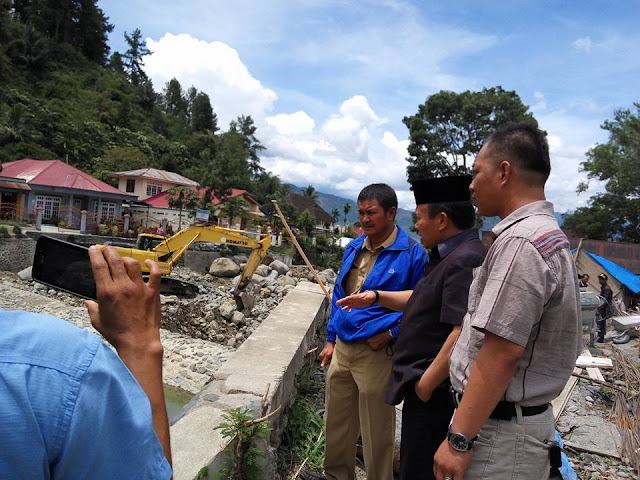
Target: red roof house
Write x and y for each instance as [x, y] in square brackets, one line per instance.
[63, 191]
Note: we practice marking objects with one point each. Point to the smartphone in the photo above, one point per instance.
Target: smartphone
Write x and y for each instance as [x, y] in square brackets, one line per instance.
[65, 266]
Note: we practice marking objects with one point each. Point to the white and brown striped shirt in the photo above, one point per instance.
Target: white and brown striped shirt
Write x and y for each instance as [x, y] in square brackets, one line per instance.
[526, 291]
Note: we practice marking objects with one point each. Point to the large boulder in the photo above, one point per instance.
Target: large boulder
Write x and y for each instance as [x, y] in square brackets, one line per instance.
[263, 270]
[285, 280]
[227, 308]
[280, 267]
[224, 267]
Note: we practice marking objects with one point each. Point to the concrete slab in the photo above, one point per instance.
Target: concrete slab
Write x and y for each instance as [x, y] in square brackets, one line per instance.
[193, 439]
[272, 356]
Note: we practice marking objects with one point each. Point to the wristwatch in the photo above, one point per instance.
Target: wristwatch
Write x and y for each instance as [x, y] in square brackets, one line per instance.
[459, 442]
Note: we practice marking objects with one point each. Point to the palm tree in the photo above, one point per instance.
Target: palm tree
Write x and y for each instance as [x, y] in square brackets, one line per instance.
[346, 208]
[310, 192]
[335, 214]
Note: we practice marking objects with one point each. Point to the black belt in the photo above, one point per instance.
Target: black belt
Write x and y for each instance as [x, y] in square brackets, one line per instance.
[507, 410]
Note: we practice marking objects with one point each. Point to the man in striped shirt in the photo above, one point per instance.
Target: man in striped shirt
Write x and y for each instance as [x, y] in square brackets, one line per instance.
[521, 334]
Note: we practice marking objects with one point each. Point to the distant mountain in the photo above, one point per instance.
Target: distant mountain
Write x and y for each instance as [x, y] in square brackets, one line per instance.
[328, 202]
[404, 218]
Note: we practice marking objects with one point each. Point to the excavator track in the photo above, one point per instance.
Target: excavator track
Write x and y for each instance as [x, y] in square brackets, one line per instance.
[180, 288]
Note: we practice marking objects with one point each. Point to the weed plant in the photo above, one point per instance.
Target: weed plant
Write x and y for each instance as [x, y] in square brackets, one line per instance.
[303, 437]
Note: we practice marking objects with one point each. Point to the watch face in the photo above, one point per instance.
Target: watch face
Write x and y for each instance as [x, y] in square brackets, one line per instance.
[459, 442]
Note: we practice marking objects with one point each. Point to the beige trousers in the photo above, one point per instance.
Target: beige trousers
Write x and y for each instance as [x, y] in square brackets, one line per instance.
[513, 450]
[354, 404]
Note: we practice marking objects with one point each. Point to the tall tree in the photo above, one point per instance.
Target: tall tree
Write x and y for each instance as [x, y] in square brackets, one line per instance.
[182, 198]
[224, 169]
[306, 222]
[202, 115]
[232, 208]
[174, 99]
[614, 214]
[91, 32]
[448, 131]
[310, 192]
[134, 56]
[346, 208]
[335, 214]
[247, 128]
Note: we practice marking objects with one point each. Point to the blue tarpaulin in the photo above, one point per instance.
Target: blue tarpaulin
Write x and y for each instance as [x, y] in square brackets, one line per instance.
[624, 276]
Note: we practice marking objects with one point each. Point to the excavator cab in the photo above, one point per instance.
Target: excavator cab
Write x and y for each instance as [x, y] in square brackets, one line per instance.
[148, 241]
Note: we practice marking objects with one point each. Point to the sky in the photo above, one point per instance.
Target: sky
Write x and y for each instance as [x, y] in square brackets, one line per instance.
[329, 81]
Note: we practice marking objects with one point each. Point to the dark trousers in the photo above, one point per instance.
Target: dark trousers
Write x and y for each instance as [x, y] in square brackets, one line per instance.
[424, 428]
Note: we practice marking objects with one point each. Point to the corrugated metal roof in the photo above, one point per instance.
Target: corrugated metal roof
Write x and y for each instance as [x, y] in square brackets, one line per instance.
[155, 174]
[160, 200]
[14, 185]
[54, 173]
[624, 276]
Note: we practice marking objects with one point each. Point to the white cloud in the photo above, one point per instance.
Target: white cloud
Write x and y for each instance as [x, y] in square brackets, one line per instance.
[584, 44]
[569, 139]
[541, 102]
[348, 152]
[212, 67]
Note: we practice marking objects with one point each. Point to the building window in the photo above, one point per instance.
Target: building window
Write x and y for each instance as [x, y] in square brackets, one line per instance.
[153, 189]
[108, 211]
[51, 206]
[131, 186]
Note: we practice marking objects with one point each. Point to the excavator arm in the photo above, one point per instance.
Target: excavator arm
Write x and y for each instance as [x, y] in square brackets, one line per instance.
[168, 252]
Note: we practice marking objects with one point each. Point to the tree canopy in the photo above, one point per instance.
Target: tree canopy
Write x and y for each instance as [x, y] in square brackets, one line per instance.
[449, 129]
[615, 213]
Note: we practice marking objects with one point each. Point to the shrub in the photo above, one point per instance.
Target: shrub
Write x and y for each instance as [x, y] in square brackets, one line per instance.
[114, 231]
[17, 231]
[103, 229]
[4, 232]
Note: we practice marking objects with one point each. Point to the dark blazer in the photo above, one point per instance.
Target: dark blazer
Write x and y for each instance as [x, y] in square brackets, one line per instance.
[438, 303]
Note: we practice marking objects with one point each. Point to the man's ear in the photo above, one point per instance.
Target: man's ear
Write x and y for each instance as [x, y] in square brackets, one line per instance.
[506, 171]
[392, 211]
[444, 221]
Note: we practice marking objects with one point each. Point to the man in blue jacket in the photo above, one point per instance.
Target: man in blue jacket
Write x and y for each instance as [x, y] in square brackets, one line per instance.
[385, 258]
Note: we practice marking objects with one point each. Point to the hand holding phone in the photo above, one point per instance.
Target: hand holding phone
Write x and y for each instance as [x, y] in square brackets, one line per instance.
[65, 266]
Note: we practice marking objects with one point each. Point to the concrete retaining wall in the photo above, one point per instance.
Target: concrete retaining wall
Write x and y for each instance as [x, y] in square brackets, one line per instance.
[272, 356]
[16, 253]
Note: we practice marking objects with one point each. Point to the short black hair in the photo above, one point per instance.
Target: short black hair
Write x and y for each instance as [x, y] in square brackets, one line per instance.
[462, 214]
[526, 146]
[383, 193]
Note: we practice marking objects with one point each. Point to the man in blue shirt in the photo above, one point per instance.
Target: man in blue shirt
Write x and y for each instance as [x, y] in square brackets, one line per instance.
[69, 406]
[385, 258]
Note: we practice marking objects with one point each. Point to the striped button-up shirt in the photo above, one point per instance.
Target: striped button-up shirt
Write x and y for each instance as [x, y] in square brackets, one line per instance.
[526, 291]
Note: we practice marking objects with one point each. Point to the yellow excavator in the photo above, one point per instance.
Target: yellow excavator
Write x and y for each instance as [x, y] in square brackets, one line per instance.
[166, 251]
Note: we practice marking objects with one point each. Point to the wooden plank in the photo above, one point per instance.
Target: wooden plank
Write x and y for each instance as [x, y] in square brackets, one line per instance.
[578, 448]
[560, 402]
[593, 372]
[585, 361]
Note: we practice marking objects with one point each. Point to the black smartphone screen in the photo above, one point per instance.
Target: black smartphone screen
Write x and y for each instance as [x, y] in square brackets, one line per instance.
[65, 266]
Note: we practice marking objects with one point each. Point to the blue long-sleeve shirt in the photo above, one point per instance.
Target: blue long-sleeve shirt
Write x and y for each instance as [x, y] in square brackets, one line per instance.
[398, 267]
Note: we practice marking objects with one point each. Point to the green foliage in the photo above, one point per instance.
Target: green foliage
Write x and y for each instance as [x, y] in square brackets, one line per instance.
[303, 436]
[346, 208]
[243, 463]
[335, 215]
[449, 129]
[310, 192]
[17, 231]
[232, 208]
[202, 473]
[133, 58]
[202, 116]
[4, 231]
[114, 232]
[103, 229]
[306, 222]
[614, 214]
